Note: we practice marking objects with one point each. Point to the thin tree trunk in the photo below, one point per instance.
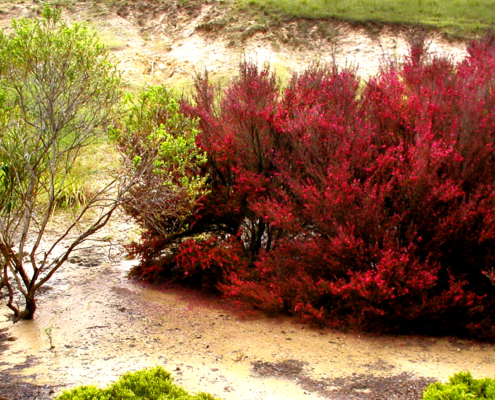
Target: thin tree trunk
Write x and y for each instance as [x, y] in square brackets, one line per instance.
[30, 308]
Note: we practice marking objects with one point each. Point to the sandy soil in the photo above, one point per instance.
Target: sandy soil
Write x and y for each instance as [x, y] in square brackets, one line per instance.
[168, 44]
[93, 324]
[172, 55]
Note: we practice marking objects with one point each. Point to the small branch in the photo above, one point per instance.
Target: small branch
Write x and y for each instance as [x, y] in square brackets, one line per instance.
[10, 303]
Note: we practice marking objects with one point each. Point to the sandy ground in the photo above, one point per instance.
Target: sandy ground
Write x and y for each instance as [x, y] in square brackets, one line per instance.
[93, 324]
[154, 45]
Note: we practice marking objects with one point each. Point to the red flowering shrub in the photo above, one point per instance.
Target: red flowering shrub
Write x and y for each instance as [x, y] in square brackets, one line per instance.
[367, 205]
[238, 173]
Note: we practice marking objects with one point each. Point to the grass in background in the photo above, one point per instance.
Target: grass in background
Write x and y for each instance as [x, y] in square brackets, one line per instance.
[463, 18]
[90, 172]
[456, 17]
[108, 37]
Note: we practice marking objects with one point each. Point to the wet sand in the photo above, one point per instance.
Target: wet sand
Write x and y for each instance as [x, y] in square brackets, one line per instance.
[93, 324]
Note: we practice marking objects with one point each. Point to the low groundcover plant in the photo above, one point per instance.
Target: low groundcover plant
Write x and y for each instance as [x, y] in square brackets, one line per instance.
[461, 386]
[148, 384]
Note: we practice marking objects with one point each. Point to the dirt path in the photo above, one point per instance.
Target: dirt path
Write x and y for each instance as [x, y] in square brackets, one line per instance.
[93, 324]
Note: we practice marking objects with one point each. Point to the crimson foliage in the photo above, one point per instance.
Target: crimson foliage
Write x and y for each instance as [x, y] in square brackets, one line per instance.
[365, 205]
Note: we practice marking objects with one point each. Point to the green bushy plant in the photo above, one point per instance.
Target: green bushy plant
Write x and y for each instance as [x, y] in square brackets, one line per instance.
[148, 384]
[158, 143]
[87, 392]
[461, 386]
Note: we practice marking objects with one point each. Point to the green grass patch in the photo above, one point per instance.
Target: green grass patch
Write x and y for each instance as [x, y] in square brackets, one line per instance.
[457, 17]
[109, 38]
[462, 18]
[90, 172]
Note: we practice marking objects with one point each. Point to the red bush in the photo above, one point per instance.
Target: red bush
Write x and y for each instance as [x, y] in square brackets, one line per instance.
[367, 205]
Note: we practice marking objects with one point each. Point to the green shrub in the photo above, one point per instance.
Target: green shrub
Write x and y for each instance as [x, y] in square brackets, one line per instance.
[461, 386]
[149, 384]
[84, 393]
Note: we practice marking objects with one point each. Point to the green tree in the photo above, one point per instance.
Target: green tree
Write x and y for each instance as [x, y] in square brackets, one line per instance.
[58, 92]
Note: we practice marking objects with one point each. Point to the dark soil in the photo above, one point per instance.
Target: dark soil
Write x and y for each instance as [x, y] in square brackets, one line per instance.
[12, 389]
[5, 337]
[12, 386]
[402, 386]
